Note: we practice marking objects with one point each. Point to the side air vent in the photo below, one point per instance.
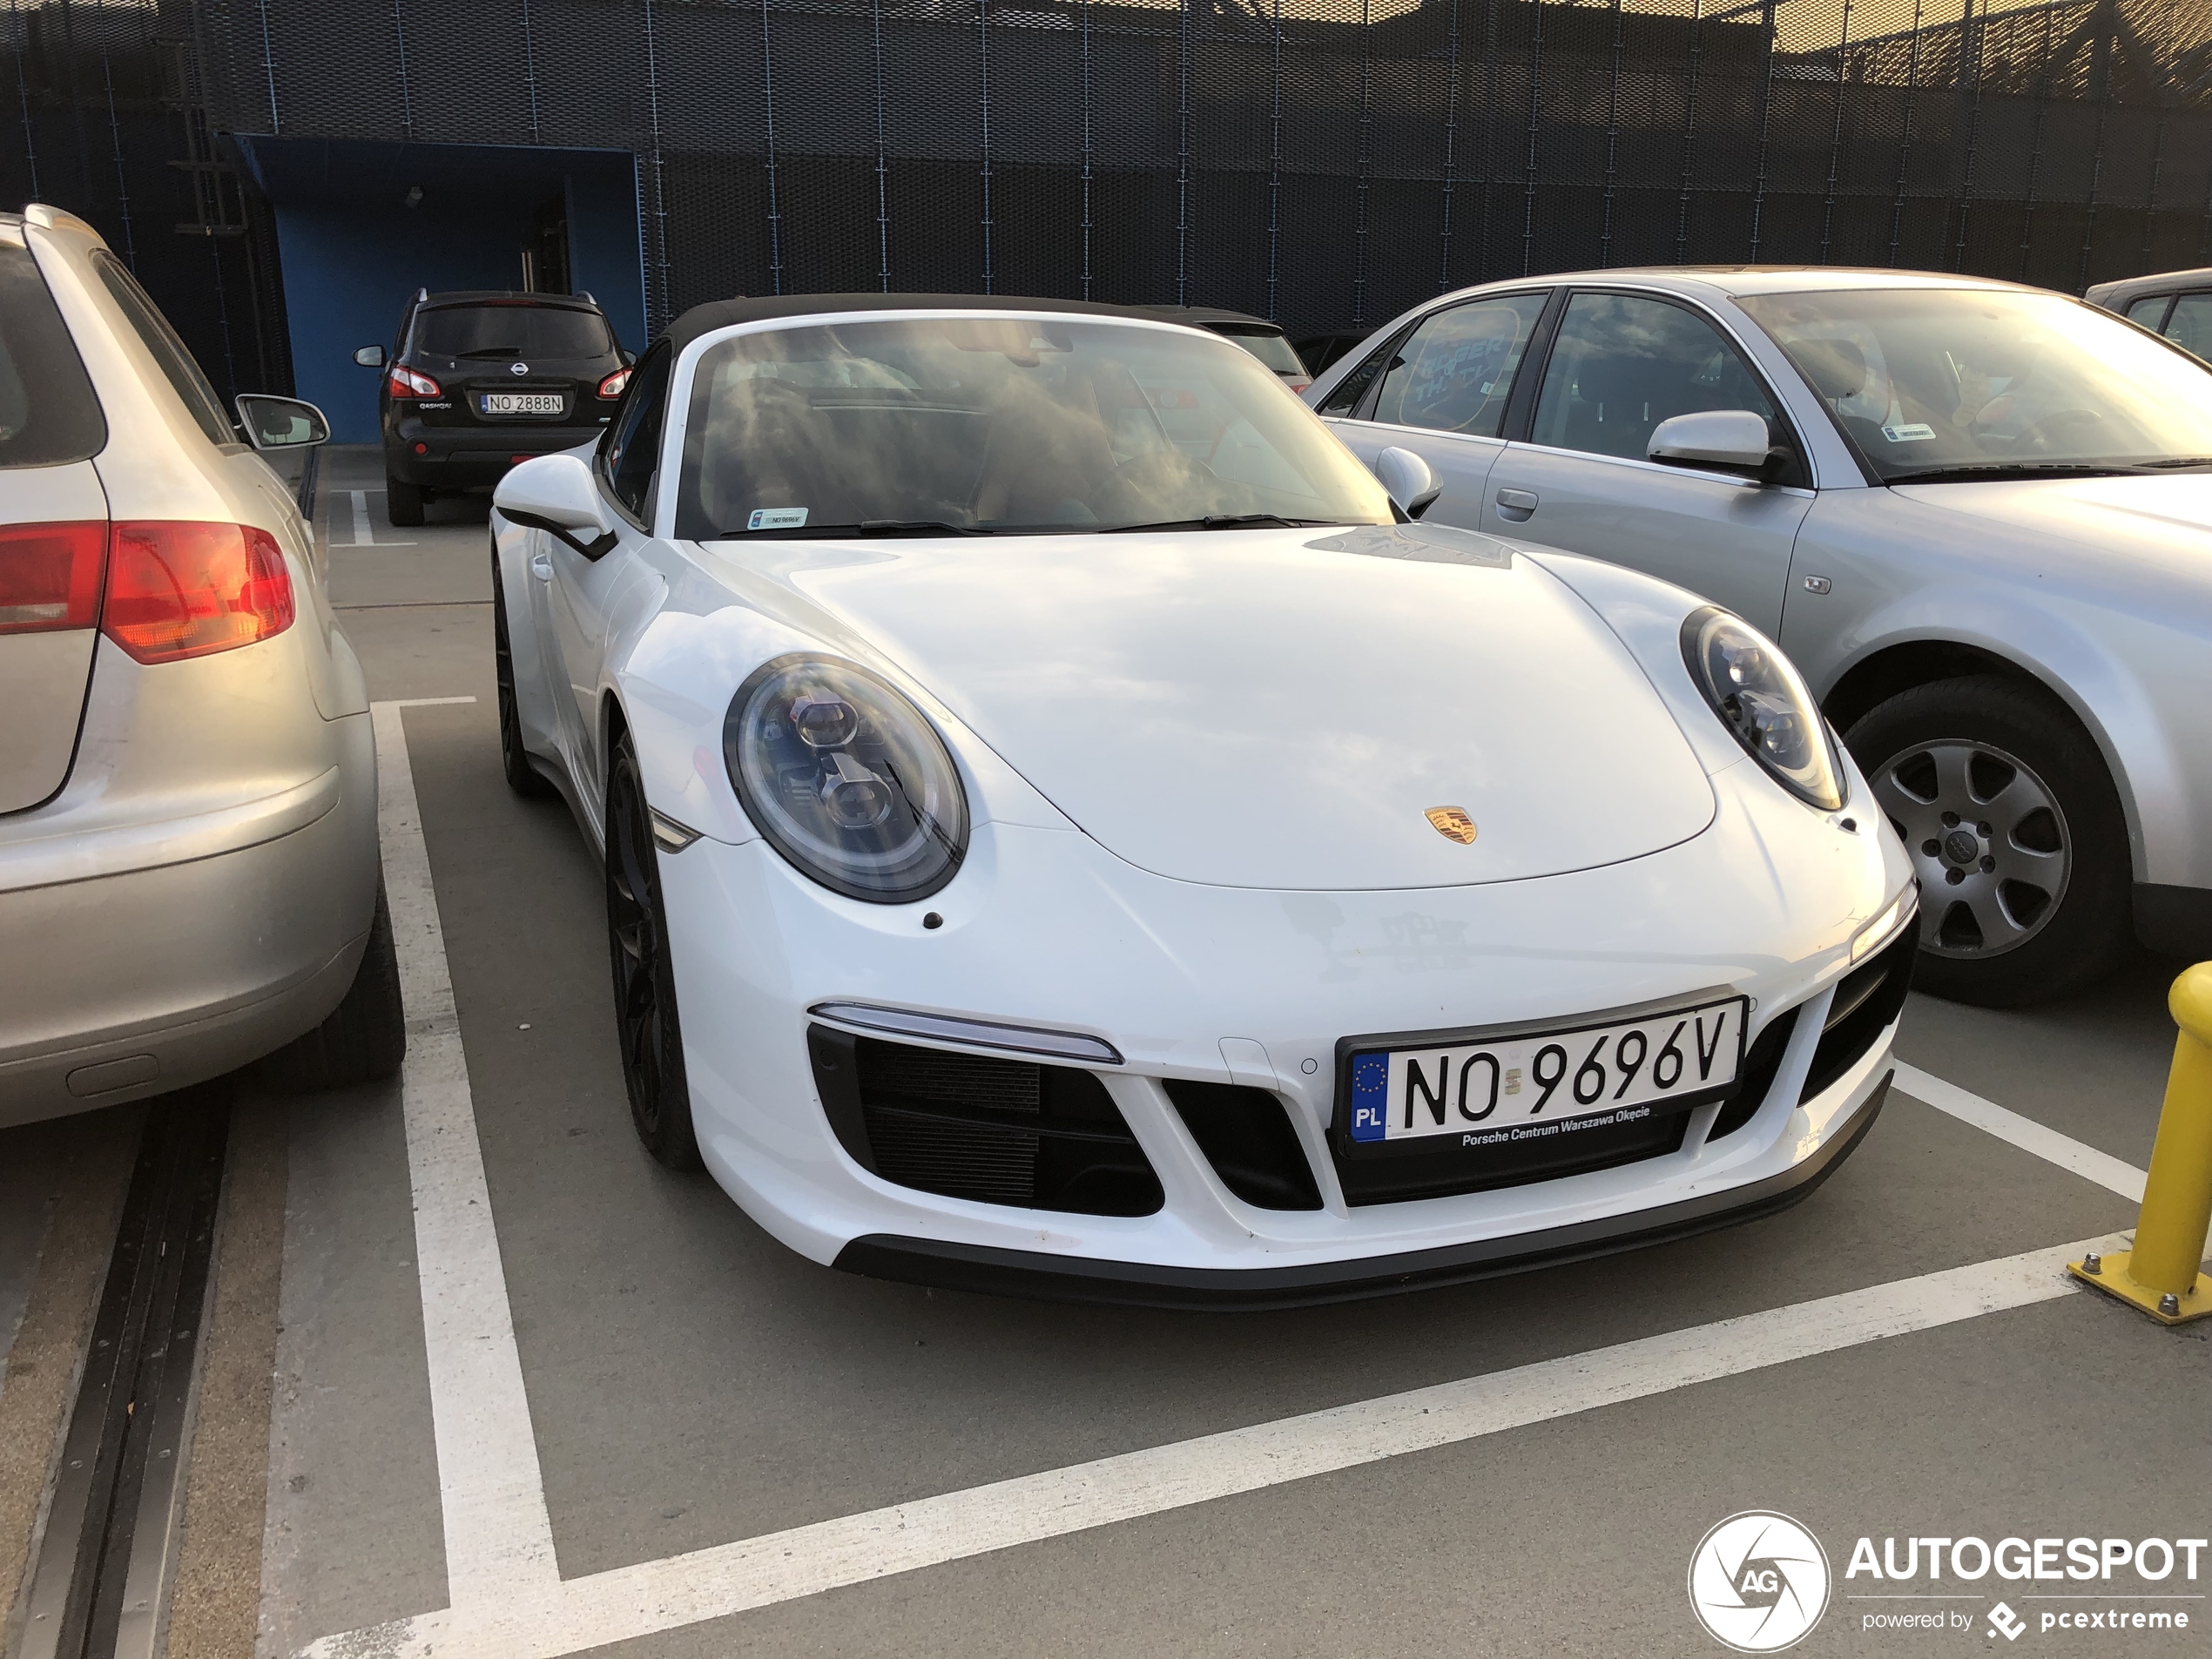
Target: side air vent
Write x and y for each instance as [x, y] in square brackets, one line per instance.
[1757, 1080]
[1867, 999]
[1247, 1137]
[976, 1126]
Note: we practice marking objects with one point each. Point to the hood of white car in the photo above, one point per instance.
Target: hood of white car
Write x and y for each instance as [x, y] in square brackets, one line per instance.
[1283, 709]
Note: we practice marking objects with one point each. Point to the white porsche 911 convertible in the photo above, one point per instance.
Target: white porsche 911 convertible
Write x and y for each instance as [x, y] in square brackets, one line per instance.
[1101, 846]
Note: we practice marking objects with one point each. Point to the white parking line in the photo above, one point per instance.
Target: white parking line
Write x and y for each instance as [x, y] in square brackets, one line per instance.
[2112, 1174]
[509, 1602]
[498, 1537]
[632, 1601]
[364, 534]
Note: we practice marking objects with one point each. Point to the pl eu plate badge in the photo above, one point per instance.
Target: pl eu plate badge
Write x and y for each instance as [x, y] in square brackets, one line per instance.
[1370, 1096]
[1453, 824]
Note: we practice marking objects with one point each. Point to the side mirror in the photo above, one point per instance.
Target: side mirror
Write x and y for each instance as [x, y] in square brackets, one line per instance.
[1735, 440]
[370, 357]
[280, 422]
[1407, 478]
[555, 494]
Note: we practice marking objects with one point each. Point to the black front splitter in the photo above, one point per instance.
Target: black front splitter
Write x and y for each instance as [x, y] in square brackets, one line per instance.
[1067, 1278]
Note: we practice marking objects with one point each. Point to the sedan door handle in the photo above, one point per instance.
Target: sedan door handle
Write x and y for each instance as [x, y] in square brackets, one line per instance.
[541, 567]
[1516, 504]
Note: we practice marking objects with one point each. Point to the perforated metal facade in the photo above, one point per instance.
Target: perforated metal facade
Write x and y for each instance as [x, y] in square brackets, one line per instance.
[1325, 162]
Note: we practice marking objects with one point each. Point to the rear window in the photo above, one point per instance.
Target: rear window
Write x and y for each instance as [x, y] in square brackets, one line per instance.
[511, 331]
[1270, 346]
[48, 412]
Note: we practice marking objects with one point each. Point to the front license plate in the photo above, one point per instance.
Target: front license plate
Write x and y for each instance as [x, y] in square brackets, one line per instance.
[519, 402]
[1514, 1089]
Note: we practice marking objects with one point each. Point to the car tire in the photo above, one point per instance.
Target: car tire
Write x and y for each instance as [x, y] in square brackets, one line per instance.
[403, 503]
[522, 778]
[644, 974]
[2011, 820]
[364, 1039]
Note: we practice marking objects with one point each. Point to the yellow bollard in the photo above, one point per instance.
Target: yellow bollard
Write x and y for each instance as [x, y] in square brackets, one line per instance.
[2162, 1275]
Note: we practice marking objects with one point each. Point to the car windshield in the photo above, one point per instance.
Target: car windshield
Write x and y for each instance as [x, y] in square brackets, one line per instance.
[1000, 425]
[512, 328]
[1956, 384]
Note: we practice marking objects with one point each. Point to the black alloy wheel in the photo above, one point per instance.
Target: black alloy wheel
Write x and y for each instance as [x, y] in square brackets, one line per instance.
[646, 1019]
[514, 760]
[2014, 830]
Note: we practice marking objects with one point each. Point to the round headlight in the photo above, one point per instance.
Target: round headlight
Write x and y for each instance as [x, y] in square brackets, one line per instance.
[1760, 697]
[844, 778]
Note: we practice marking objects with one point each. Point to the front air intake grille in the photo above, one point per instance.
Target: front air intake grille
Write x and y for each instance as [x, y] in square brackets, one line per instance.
[1249, 1139]
[1756, 1080]
[976, 1126]
[1867, 999]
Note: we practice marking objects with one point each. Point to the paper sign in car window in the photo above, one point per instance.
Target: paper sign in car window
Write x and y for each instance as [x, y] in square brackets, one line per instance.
[1914, 431]
[776, 518]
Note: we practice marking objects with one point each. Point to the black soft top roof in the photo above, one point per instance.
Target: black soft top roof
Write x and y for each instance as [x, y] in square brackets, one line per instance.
[721, 313]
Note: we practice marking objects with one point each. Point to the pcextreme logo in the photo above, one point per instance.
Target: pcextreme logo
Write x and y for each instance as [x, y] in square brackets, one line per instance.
[1758, 1582]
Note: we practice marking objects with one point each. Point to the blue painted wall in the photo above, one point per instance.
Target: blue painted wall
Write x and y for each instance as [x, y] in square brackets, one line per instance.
[353, 250]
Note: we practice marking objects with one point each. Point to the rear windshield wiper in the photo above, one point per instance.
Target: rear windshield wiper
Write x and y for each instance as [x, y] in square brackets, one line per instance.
[1999, 471]
[1226, 521]
[866, 527]
[493, 351]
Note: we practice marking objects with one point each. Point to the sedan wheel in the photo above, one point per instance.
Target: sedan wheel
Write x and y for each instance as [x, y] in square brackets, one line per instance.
[644, 977]
[2015, 831]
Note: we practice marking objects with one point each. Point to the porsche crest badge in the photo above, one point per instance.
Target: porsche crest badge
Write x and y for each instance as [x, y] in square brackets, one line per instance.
[1453, 824]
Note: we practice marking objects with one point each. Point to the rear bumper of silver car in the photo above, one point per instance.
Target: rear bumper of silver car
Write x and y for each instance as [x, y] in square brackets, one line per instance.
[206, 944]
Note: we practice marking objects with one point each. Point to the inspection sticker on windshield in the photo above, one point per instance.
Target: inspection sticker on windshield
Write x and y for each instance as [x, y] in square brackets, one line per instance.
[776, 518]
[1914, 431]
[1519, 1088]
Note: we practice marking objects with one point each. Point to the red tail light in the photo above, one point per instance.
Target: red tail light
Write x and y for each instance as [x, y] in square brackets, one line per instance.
[408, 383]
[49, 575]
[178, 589]
[611, 387]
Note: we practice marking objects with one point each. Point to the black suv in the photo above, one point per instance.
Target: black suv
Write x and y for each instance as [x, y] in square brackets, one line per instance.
[477, 381]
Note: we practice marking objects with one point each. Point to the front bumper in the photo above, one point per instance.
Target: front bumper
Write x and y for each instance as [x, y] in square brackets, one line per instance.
[1045, 929]
[1019, 1273]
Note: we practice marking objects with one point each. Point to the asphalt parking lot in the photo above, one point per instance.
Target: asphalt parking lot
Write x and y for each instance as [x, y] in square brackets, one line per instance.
[536, 1395]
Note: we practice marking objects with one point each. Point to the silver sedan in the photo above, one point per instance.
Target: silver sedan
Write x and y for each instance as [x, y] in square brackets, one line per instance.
[1978, 515]
[188, 858]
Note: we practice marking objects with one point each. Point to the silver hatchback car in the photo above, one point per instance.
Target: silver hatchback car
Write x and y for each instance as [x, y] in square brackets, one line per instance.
[188, 858]
[1979, 516]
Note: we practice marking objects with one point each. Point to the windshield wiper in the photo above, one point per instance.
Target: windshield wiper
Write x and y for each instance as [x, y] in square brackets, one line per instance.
[492, 351]
[2175, 463]
[866, 527]
[1226, 521]
[1999, 471]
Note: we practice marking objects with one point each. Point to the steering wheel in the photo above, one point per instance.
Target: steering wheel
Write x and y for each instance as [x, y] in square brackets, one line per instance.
[1139, 485]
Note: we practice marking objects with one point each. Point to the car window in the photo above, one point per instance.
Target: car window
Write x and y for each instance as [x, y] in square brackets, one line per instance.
[1955, 383]
[168, 351]
[1456, 371]
[49, 414]
[1001, 424]
[1269, 346]
[1346, 396]
[506, 329]
[2190, 326]
[1623, 363]
[2147, 312]
[631, 456]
